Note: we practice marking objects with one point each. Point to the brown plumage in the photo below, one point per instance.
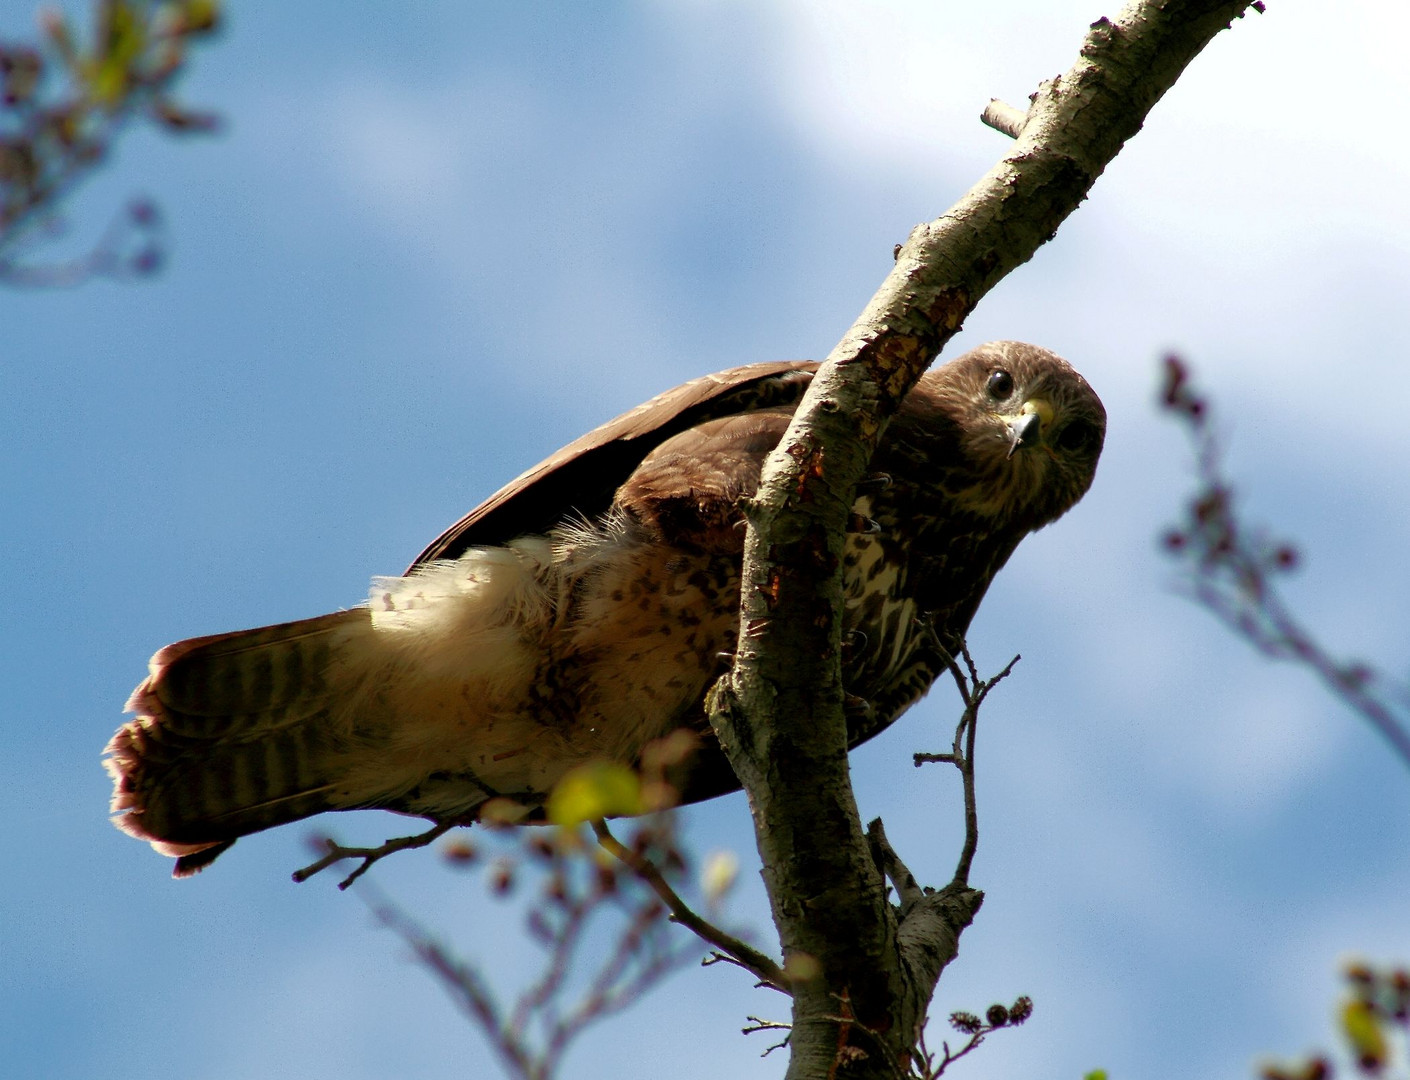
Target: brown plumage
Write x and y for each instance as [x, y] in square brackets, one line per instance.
[582, 611]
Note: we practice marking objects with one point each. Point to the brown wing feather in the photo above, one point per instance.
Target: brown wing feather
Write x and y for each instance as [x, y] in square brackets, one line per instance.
[583, 477]
[689, 488]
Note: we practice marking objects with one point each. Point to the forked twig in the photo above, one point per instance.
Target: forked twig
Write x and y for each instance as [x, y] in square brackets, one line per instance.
[337, 852]
[973, 691]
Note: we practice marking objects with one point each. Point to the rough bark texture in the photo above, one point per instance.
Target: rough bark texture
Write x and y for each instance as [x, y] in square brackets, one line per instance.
[779, 712]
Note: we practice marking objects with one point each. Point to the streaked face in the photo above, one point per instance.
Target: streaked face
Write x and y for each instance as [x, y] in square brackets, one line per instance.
[1032, 427]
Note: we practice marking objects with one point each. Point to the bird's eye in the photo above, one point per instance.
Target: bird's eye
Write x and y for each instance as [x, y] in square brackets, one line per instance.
[1076, 437]
[1000, 385]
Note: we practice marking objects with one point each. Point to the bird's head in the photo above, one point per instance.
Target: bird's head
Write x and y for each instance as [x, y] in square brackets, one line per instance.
[1030, 430]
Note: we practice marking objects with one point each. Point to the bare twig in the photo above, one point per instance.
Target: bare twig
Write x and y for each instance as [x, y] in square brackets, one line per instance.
[1232, 571]
[843, 1054]
[562, 941]
[732, 948]
[130, 247]
[756, 1025]
[714, 956]
[614, 987]
[973, 691]
[337, 852]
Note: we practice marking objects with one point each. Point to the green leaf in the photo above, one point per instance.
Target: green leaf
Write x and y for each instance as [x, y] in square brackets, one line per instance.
[1096, 1074]
[598, 789]
[115, 53]
[1363, 1031]
[200, 15]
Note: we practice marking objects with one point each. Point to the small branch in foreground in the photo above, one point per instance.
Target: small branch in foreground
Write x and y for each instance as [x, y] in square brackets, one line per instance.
[580, 898]
[1232, 570]
[470, 991]
[336, 852]
[1375, 1028]
[732, 949]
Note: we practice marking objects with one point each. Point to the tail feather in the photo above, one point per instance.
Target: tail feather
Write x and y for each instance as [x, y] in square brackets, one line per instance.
[234, 734]
[400, 704]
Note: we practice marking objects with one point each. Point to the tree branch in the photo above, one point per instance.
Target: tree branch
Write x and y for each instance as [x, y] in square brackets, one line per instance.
[779, 711]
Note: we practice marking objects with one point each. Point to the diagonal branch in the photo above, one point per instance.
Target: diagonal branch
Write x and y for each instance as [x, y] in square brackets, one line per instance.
[779, 711]
[735, 951]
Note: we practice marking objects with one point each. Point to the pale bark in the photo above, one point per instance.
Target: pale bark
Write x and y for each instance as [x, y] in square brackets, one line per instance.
[779, 711]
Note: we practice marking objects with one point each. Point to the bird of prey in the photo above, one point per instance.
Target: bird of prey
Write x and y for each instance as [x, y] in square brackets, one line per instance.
[584, 610]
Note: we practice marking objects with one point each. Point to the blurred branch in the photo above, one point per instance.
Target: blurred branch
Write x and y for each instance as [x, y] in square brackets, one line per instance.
[581, 894]
[61, 106]
[1232, 570]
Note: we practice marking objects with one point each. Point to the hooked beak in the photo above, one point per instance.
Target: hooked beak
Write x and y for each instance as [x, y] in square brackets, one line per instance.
[1027, 428]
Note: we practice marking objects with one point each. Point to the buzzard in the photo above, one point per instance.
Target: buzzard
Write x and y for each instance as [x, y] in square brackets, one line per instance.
[583, 611]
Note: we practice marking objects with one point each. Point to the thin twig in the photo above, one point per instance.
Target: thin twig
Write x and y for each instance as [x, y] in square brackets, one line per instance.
[714, 956]
[129, 247]
[369, 855]
[996, 1017]
[973, 691]
[532, 1036]
[563, 942]
[844, 1027]
[607, 994]
[756, 1025]
[746, 956]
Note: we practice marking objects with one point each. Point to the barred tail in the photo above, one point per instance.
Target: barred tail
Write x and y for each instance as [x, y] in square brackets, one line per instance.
[237, 733]
[387, 705]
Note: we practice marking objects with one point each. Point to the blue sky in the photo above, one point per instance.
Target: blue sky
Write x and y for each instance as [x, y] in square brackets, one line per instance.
[437, 241]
